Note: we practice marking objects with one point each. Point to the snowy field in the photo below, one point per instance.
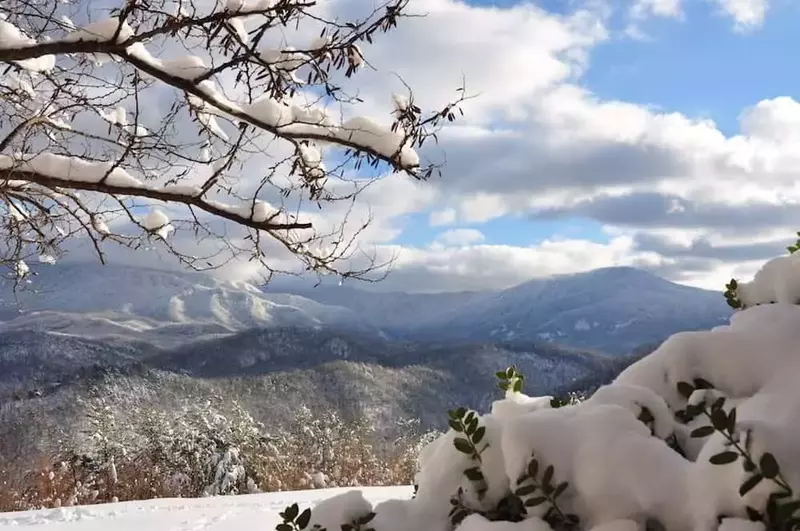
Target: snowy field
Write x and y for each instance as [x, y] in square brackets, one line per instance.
[223, 513]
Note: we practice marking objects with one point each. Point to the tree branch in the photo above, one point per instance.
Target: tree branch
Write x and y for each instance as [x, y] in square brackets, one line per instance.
[150, 193]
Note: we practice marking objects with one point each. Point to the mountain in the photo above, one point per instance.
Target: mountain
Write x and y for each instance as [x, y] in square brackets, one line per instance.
[160, 307]
[614, 310]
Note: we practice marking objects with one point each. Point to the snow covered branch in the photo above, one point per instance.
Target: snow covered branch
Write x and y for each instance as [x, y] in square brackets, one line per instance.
[202, 105]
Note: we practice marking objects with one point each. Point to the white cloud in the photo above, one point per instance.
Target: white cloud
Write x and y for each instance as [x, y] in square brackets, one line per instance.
[474, 267]
[460, 237]
[660, 8]
[746, 14]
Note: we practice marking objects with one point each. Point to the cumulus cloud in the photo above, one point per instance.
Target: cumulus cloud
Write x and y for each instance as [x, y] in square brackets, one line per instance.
[746, 14]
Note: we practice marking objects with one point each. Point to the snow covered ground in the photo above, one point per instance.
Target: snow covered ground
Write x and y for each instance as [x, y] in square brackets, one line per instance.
[223, 513]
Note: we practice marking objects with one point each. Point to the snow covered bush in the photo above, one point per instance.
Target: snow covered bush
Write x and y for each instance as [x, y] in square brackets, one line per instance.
[139, 122]
[701, 434]
[207, 447]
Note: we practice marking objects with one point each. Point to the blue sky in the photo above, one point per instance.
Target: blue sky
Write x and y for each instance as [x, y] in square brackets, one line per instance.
[699, 66]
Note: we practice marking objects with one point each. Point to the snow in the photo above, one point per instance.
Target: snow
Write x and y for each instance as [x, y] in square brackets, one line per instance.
[101, 31]
[70, 168]
[777, 281]
[237, 6]
[222, 513]
[157, 222]
[12, 37]
[365, 131]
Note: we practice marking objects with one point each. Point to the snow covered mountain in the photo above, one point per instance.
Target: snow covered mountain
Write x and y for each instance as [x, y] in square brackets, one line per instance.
[164, 308]
[613, 310]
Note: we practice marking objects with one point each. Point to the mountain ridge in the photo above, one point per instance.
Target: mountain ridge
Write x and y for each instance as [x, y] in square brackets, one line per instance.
[613, 309]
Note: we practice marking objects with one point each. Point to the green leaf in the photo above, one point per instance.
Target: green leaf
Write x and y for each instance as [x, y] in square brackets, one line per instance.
[702, 383]
[304, 519]
[292, 511]
[560, 489]
[702, 431]
[510, 371]
[503, 386]
[733, 283]
[284, 527]
[732, 421]
[367, 518]
[685, 389]
[533, 502]
[750, 483]
[718, 403]
[753, 515]
[348, 527]
[525, 491]
[533, 468]
[548, 475]
[462, 445]
[769, 466]
[474, 474]
[723, 458]
[518, 386]
[478, 435]
[719, 419]
[646, 415]
[501, 375]
[456, 425]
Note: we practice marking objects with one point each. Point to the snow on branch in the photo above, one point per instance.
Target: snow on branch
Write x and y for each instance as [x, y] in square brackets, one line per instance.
[58, 171]
[200, 105]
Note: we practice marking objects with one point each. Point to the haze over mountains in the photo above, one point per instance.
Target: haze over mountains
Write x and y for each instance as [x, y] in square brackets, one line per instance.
[613, 310]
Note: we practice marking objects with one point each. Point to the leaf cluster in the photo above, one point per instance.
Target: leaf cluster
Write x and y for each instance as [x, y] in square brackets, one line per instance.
[294, 520]
[782, 506]
[731, 297]
[471, 442]
[510, 380]
[534, 489]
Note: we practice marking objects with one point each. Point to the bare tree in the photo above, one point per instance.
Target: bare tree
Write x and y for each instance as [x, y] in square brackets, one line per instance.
[127, 124]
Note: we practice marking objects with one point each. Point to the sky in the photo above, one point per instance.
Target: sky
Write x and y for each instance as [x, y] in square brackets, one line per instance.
[656, 133]
[660, 134]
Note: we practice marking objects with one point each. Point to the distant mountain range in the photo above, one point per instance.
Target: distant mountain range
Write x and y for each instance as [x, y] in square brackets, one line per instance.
[613, 310]
[150, 336]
